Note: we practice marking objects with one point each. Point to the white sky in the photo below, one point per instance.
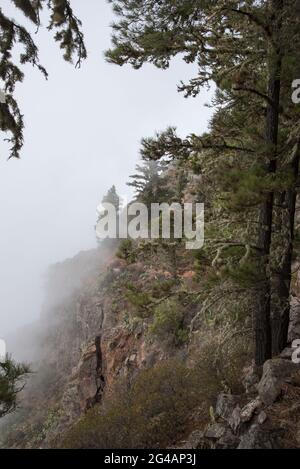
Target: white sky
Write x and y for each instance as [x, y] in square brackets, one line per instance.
[83, 132]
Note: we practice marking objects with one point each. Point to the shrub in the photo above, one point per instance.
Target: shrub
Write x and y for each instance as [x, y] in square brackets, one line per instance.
[155, 410]
[12, 377]
[168, 322]
[219, 364]
[126, 251]
[161, 288]
[152, 413]
[141, 300]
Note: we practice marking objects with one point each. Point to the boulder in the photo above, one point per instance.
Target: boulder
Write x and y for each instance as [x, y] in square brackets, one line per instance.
[228, 409]
[262, 418]
[228, 441]
[226, 404]
[251, 378]
[255, 438]
[235, 419]
[286, 353]
[275, 373]
[248, 411]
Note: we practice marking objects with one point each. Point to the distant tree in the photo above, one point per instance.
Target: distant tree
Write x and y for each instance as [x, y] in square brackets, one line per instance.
[12, 377]
[111, 197]
[14, 36]
[149, 183]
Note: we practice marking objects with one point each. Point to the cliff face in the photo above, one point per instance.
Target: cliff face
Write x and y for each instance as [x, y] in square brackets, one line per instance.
[98, 329]
[85, 344]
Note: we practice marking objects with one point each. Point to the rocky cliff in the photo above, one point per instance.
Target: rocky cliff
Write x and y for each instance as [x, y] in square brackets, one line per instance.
[108, 318]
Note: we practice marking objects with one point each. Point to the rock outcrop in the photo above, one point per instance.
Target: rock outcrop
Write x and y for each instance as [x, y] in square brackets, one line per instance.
[275, 373]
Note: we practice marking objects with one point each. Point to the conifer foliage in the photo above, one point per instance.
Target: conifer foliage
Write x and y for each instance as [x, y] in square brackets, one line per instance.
[149, 183]
[12, 376]
[250, 155]
[112, 198]
[67, 32]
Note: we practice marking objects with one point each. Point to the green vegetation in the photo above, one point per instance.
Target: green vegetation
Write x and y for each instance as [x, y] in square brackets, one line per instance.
[247, 163]
[126, 251]
[155, 409]
[12, 377]
[168, 322]
[150, 414]
[220, 361]
[150, 183]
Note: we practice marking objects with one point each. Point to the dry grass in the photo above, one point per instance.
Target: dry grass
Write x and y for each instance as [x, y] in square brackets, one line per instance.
[284, 415]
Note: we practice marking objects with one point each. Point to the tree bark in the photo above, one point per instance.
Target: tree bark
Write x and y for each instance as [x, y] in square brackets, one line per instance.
[283, 275]
[263, 333]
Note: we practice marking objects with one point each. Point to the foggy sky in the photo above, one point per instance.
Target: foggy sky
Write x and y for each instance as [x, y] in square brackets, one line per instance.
[83, 132]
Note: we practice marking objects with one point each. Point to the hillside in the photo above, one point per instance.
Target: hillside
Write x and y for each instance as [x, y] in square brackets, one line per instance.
[129, 344]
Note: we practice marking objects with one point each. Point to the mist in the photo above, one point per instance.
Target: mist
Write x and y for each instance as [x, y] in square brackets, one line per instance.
[82, 135]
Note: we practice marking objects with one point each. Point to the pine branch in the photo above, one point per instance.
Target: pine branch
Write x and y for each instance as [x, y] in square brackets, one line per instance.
[255, 20]
[254, 91]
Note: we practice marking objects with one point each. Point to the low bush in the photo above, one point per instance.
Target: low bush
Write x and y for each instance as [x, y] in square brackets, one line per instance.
[220, 362]
[168, 322]
[152, 413]
[126, 251]
[155, 410]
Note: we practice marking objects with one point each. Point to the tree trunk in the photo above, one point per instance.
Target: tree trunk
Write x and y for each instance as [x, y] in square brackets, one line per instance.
[263, 334]
[283, 275]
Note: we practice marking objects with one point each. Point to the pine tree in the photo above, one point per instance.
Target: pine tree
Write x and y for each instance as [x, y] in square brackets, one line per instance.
[248, 48]
[111, 197]
[12, 377]
[13, 35]
[149, 183]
